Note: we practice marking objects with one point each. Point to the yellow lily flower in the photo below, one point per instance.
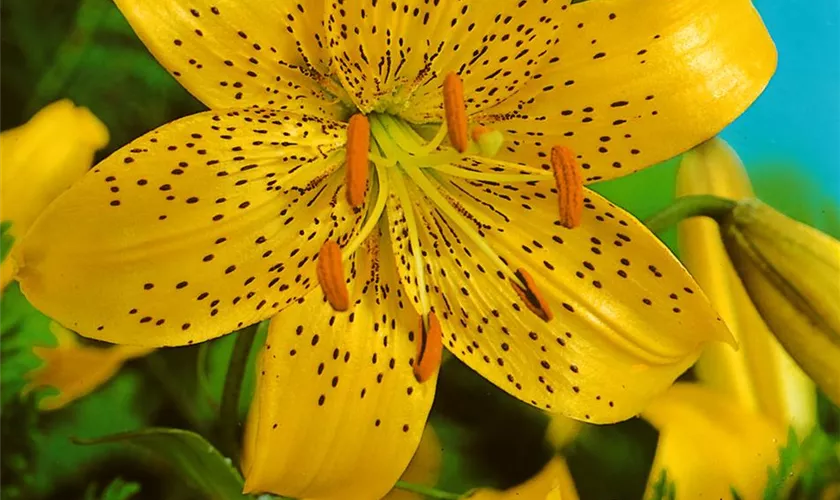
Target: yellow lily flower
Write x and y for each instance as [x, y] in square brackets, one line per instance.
[227, 217]
[760, 375]
[709, 444]
[792, 272]
[40, 160]
[74, 369]
[553, 482]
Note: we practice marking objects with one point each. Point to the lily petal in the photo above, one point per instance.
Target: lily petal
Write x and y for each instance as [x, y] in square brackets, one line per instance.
[74, 369]
[635, 83]
[394, 57]
[553, 482]
[44, 157]
[232, 52]
[761, 375]
[709, 444]
[628, 317]
[338, 413]
[203, 226]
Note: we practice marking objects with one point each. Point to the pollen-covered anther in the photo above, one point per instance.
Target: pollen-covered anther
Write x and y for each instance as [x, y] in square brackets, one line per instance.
[455, 111]
[358, 149]
[331, 276]
[567, 176]
[531, 296]
[429, 349]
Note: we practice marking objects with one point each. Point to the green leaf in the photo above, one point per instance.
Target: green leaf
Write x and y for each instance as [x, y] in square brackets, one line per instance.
[778, 478]
[6, 239]
[663, 488]
[190, 455]
[18, 428]
[117, 490]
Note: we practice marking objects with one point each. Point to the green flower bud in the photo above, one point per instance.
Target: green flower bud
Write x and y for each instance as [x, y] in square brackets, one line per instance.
[792, 273]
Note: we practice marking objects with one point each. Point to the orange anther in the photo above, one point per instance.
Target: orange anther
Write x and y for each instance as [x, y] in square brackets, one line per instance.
[569, 182]
[331, 276]
[358, 147]
[456, 111]
[429, 349]
[530, 295]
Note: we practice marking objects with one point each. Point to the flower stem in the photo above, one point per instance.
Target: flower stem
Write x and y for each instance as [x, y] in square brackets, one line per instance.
[690, 206]
[158, 369]
[426, 490]
[229, 426]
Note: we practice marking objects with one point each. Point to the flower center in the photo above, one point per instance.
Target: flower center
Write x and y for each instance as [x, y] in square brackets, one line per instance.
[403, 152]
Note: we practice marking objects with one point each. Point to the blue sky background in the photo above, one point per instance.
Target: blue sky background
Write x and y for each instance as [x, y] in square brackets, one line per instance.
[796, 122]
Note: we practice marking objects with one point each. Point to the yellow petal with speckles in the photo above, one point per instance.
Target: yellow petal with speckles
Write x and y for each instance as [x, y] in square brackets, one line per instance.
[338, 413]
[760, 375]
[44, 157]
[709, 443]
[200, 227]
[393, 56]
[234, 53]
[553, 482]
[634, 83]
[628, 319]
[74, 369]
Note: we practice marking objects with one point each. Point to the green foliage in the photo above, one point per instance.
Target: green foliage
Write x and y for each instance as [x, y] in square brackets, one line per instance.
[805, 468]
[778, 478]
[613, 461]
[6, 239]
[116, 490]
[663, 488]
[196, 460]
[86, 51]
[18, 430]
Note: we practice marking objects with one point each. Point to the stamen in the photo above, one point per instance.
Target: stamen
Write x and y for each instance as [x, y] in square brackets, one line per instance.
[569, 182]
[331, 276]
[431, 192]
[372, 215]
[456, 111]
[466, 173]
[429, 350]
[531, 296]
[358, 146]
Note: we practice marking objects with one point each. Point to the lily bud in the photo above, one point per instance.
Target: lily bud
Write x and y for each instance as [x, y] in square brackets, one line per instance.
[792, 273]
[41, 159]
[761, 375]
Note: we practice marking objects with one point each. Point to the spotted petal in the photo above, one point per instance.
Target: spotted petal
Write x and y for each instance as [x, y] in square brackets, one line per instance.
[338, 412]
[628, 319]
[234, 52]
[193, 230]
[634, 83]
[394, 55]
